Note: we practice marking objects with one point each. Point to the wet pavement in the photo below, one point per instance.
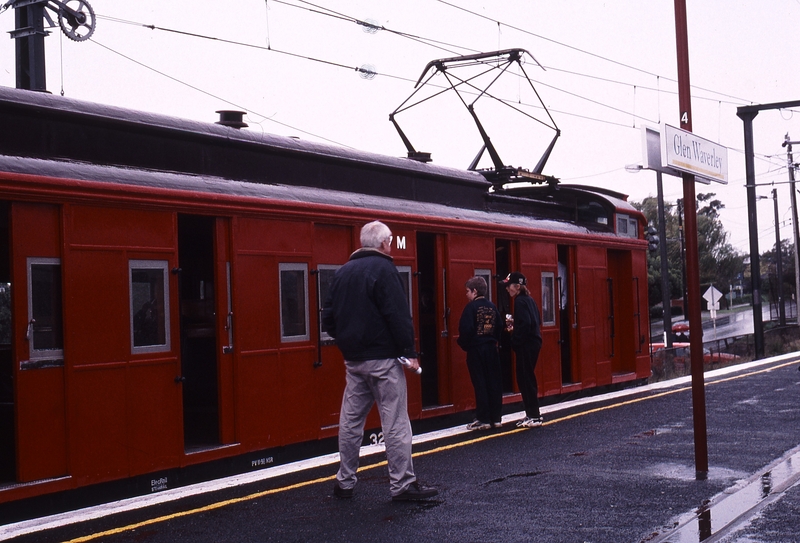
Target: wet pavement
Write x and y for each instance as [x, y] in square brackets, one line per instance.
[612, 468]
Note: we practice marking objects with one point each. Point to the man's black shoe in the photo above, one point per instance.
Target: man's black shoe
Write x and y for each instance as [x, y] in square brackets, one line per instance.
[340, 492]
[416, 491]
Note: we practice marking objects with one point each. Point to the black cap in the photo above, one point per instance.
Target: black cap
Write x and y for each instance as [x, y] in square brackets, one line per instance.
[515, 278]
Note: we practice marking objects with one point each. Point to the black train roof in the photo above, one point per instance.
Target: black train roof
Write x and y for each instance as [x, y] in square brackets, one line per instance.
[43, 126]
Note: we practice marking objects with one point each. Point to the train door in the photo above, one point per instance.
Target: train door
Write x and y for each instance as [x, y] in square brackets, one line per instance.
[38, 373]
[332, 248]
[198, 281]
[621, 312]
[433, 319]
[567, 312]
[8, 469]
[506, 261]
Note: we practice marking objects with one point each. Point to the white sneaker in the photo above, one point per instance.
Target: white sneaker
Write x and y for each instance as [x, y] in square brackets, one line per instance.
[478, 425]
[532, 423]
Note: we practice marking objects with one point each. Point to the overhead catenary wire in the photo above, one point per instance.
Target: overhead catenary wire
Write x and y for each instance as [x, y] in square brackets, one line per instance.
[328, 12]
[198, 89]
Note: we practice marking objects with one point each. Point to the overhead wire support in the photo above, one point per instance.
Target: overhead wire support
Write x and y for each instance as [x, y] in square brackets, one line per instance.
[495, 60]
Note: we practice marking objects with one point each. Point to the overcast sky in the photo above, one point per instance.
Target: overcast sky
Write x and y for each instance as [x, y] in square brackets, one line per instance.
[608, 69]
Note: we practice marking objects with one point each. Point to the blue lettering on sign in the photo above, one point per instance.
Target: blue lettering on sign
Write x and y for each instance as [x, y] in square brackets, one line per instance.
[696, 152]
[679, 148]
[709, 159]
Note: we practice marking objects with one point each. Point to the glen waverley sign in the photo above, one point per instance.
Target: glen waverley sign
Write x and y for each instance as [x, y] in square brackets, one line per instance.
[684, 151]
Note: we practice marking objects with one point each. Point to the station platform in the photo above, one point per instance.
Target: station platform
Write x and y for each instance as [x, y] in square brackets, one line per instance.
[618, 467]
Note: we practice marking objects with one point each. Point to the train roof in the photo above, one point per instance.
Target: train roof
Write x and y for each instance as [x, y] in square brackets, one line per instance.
[53, 128]
[247, 191]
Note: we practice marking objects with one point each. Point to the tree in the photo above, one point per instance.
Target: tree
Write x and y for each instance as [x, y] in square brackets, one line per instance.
[719, 262]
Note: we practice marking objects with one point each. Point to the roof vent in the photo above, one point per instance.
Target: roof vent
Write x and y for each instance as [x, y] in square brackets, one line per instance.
[419, 156]
[232, 118]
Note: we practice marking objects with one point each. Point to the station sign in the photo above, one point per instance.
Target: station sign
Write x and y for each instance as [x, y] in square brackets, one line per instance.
[687, 152]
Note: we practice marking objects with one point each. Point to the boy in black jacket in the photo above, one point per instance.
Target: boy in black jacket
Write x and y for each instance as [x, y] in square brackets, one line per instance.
[478, 334]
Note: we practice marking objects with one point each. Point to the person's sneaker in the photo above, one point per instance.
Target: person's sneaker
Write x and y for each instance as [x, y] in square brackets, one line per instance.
[497, 424]
[478, 425]
[532, 422]
[340, 492]
[415, 491]
[522, 422]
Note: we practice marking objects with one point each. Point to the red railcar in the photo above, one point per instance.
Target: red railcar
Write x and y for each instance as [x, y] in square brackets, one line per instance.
[160, 286]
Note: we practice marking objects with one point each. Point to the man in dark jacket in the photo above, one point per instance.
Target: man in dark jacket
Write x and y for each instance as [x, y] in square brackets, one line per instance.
[367, 314]
[478, 334]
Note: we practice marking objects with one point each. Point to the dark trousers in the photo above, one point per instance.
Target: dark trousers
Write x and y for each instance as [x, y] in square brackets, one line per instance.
[483, 363]
[527, 356]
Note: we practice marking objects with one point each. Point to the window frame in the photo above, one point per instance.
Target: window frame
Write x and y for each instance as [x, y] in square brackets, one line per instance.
[407, 270]
[143, 264]
[548, 309]
[293, 267]
[486, 273]
[34, 354]
[324, 337]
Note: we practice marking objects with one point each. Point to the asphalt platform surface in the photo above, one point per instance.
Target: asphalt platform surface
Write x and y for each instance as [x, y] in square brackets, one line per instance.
[613, 468]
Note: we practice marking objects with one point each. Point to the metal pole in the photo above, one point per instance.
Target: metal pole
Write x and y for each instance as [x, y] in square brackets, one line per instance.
[29, 34]
[779, 271]
[795, 226]
[747, 117]
[665, 290]
[692, 258]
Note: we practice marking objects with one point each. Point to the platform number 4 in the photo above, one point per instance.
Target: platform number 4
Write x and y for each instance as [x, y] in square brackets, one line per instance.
[685, 117]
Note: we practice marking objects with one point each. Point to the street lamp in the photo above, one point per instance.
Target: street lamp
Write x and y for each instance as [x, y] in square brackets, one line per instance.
[662, 247]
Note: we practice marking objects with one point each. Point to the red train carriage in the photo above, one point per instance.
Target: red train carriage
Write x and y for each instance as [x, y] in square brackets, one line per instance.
[161, 280]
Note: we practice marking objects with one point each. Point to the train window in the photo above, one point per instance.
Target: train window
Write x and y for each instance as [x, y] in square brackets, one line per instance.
[293, 287]
[548, 299]
[325, 278]
[405, 275]
[627, 226]
[487, 276]
[149, 309]
[45, 330]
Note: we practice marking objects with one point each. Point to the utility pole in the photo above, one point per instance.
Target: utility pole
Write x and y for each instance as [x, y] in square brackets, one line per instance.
[795, 226]
[692, 255]
[779, 267]
[747, 114]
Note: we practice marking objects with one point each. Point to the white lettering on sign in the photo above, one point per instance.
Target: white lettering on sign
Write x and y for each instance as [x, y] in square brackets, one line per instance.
[401, 242]
[261, 462]
[158, 484]
[689, 153]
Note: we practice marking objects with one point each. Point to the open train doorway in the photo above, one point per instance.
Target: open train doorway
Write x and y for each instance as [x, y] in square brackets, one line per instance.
[566, 311]
[8, 465]
[433, 318]
[199, 372]
[504, 262]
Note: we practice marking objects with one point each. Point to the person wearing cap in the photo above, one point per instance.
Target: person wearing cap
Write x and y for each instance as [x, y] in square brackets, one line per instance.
[526, 340]
[478, 333]
[367, 313]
